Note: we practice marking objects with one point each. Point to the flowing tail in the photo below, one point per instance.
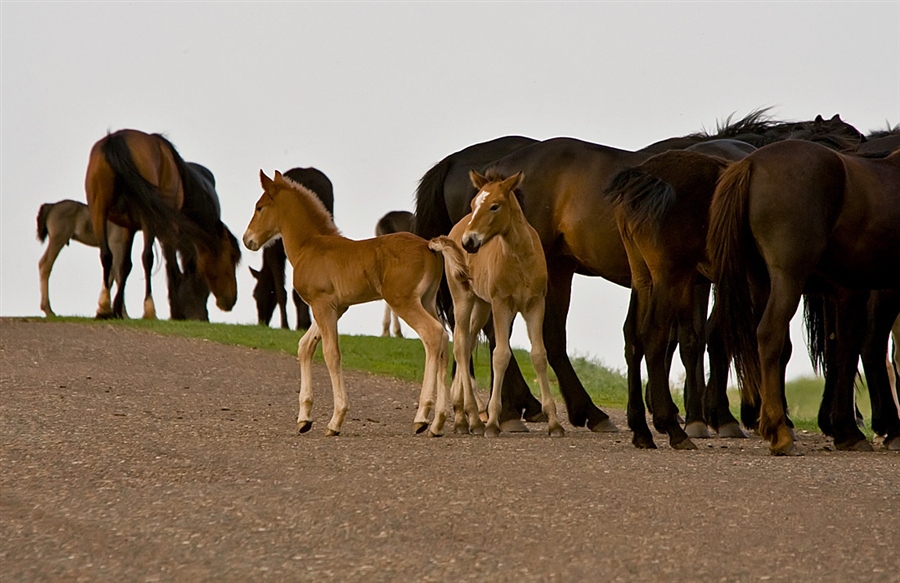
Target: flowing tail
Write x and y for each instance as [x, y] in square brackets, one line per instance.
[143, 196]
[733, 255]
[42, 232]
[643, 198]
[455, 265]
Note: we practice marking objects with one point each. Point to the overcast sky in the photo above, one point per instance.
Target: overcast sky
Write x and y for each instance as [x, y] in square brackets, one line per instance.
[373, 94]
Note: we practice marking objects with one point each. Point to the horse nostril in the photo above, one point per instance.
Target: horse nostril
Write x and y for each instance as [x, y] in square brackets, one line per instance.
[471, 243]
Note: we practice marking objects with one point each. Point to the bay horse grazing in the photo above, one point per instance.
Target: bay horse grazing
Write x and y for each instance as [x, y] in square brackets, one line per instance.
[140, 182]
[793, 217]
[63, 221]
[66, 220]
[508, 277]
[393, 222]
[270, 290]
[332, 273]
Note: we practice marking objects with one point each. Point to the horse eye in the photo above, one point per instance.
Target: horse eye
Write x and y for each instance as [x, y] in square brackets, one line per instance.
[495, 207]
[258, 209]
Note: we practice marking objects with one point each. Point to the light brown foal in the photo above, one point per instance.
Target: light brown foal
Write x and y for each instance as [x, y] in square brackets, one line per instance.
[332, 273]
[509, 276]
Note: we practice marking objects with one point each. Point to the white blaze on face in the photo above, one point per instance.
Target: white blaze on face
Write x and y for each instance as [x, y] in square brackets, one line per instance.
[479, 200]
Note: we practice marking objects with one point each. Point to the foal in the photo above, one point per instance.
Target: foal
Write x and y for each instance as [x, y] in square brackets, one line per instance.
[332, 273]
[509, 276]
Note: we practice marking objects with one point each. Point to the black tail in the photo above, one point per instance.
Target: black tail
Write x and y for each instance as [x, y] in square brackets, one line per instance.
[432, 219]
[814, 318]
[143, 197]
[42, 232]
[643, 198]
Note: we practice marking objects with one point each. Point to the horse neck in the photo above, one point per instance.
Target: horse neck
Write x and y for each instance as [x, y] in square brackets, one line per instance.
[518, 232]
[298, 224]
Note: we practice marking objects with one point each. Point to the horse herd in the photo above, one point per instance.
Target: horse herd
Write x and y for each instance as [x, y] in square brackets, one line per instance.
[761, 212]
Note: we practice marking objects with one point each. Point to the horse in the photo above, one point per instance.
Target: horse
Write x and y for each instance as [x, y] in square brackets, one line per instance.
[661, 209]
[393, 222]
[795, 216]
[140, 182]
[563, 180]
[63, 221]
[508, 277]
[270, 287]
[332, 273]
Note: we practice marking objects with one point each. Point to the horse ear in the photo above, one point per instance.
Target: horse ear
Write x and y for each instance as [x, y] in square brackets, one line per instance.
[836, 117]
[514, 181]
[819, 118]
[265, 180]
[278, 176]
[477, 179]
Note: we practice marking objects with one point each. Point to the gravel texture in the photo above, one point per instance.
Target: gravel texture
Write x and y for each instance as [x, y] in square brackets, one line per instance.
[128, 456]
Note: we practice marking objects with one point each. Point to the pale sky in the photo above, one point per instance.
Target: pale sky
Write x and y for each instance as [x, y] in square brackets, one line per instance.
[374, 94]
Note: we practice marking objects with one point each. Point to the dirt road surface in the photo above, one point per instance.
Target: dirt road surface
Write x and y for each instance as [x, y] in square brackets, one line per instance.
[128, 456]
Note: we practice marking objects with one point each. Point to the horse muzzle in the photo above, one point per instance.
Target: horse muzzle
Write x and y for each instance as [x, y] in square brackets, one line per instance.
[250, 242]
[471, 242]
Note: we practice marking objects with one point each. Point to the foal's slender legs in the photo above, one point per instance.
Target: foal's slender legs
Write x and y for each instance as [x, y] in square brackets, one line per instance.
[305, 349]
[45, 265]
[503, 316]
[534, 320]
[326, 320]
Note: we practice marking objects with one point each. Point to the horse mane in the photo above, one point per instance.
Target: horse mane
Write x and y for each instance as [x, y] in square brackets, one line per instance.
[887, 132]
[317, 207]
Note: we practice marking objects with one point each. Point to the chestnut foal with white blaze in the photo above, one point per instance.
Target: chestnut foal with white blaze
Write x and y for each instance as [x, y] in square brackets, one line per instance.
[332, 273]
[509, 276]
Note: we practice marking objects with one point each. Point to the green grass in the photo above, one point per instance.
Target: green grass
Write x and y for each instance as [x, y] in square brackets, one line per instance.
[404, 358]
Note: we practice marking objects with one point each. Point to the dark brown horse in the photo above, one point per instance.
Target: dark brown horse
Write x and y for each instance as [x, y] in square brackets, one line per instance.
[662, 208]
[796, 217]
[270, 290]
[139, 181]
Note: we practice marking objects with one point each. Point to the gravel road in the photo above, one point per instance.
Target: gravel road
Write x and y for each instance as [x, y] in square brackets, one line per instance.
[128, 456]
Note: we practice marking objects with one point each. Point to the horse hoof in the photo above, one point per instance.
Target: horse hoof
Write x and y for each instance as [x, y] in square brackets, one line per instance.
[420, 426]
[478, 430]
[861, 445]
[789, 450]
[461, 429]
[697, 430]
[605, 426]
[684, 445]
[331, 432]
[643, 442]
[557, 431]
[539, 417]
[433, 434]
[732, 431]
[491, 431]
[513, 426]
[304, 426]
[892, 443]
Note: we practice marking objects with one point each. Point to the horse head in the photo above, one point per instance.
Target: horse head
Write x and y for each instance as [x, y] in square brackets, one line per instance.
[218, 264]
[492, 209]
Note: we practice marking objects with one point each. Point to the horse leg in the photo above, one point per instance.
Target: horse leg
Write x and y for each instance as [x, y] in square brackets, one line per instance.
[327, 319]
[465, 407]
[850, 329]
[281, 294]
[174, 278]
[147, 261]
[305, 349]
[691, 340]
[884, 306]
[784, 297]
[502, 317]
[125, 264]
[717, 387]
[45, 266]
[435, 340]
[582, 411]
[634, 352]
[303, 319]
[398, 332]
[654, 331]
[534, 320]
[517, 398]
[386, 322]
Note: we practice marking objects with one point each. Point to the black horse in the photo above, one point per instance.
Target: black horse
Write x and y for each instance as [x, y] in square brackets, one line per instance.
[270, 287]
